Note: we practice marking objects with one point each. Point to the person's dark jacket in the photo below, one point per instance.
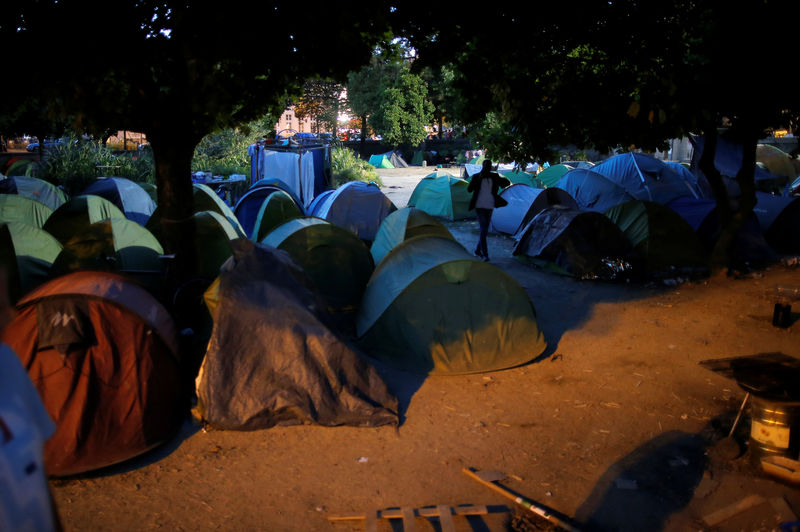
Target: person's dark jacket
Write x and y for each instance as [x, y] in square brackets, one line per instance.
[498, 183]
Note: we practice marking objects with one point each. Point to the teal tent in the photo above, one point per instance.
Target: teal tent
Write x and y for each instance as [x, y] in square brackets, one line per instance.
[277, 209]
[665, 243]
[14, 208]
[27, 254]
[400, 226]
[337, 261]
[424, 182]
[432, 308]
[444, 196]
[552, 174]
[522, 178]
[380, 160]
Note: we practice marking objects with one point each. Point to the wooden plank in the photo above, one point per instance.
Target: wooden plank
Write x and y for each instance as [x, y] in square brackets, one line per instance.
[409, 519]
[723, 514]
[446, 519]
[396, 513]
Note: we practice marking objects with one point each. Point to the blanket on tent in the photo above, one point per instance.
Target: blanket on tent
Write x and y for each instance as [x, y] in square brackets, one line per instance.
[272, 359]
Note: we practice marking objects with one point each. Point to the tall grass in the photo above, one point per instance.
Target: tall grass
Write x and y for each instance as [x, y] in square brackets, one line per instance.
[346, 166]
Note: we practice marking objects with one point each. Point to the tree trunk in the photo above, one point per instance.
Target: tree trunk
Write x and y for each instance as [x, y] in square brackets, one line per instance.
[441, 124]
[173, 165]
[363, 144]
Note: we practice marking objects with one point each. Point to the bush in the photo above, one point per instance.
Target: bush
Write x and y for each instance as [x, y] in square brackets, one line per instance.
[346, 166]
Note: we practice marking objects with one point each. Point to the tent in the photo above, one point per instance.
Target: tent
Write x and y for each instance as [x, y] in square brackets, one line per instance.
[113, 245]
[777, 161]
[524, 203]
[14, 208]
[380, 160]
[592, 191]
[401, 225]
[357, 206]
[276, 209]
[151, 190]
[418, 158]
[586, 245]
[432, 308]
[337, 262]
[552, 174]
[27, 254]
[396, 160]
[443, 196]
[128, 196]
[272, 359]
[78, 213]
[728, 161]
[664, 242]
[203, 199]
[249, 206]
[212, 234]
[103, 355]
[34, 188]
[424, 182]
[517, 177]
[779, 217]
[646, 178]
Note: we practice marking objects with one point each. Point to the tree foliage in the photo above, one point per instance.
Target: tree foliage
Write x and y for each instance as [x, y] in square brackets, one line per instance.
[321, 101]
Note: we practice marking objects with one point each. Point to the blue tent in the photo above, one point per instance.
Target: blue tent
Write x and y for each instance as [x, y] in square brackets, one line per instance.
[130, 198]
[646, 178]
[357, 206]
[525, 202]
[779, 217]
[248, 207]
[728, 160]
[592, 191]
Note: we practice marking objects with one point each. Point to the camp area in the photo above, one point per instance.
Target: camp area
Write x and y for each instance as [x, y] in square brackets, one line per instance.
[314, 406]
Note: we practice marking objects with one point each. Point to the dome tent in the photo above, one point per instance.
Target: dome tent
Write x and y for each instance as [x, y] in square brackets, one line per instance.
[592, 191]
[576, 243]
[27, 253]
[15, 208]
[665, 243]
[203, 199]
[401, 225]
[432, 308]
[444, 196]
[108, 374]
[249, 207]
[552, 174]
[278, 208]
[34, 188]
[424, 182]
[129, 197]
[272, 359]
[337, 262]
[779, 217]
[647, 178]
[78, 213]
[357, 206]
[524, 203]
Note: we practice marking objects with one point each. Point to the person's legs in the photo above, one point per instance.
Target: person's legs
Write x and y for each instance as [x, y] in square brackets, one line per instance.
[484, 217]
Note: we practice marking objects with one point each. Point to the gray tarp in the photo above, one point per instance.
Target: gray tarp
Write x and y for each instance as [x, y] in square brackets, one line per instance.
[272, 359]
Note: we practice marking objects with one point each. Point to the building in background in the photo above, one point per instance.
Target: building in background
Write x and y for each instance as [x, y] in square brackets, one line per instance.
[288, 120]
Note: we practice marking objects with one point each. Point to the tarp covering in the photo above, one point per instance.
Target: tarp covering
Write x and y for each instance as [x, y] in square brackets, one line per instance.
[432, 308]
[524, 203]
[337, 262]
[592, 191]
[665, 243]
[357, 206]
[129, 197]
[78, 213]
[581, 244]
[272, 360]
[302, 171]
[15, 208]
[444, 196]
[34, 188]
[646, 178]
[404, 224]
[27, 253]
[102, 353]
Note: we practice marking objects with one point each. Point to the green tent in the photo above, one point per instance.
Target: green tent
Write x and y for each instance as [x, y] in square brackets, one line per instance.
[77, 214]
[552, 175]
[15, 208]
[337, 261]
[380, 160]
[418, 158]
[665, 243]
[404, 224]
[203, 199]
[27, 253]
[444, 196]
[212, 235]
[523, 178]
[478, 160]
[423, 183]
[277, 209]
[113, 245]
[432, 308]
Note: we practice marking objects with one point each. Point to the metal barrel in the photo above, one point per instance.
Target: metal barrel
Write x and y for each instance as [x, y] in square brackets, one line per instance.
[775, 428]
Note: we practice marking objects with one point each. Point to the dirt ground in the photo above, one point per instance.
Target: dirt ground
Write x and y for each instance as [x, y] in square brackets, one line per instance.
[614, 426]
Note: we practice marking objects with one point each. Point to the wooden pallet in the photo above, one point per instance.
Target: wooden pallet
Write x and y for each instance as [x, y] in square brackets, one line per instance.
[408, 515]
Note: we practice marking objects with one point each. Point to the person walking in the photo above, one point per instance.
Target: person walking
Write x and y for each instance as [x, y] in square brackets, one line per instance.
[485, 187]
